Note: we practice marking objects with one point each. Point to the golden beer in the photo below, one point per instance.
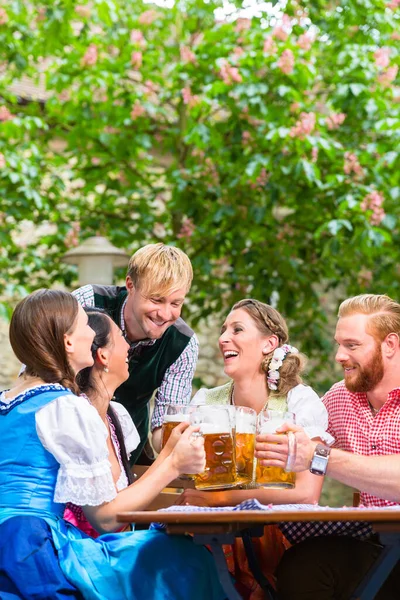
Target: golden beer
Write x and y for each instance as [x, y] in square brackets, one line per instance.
[245, 443]
[220, 462]
[166, 431]
[274, 477]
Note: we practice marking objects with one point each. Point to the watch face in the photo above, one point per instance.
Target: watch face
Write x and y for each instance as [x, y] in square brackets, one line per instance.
[319, 463]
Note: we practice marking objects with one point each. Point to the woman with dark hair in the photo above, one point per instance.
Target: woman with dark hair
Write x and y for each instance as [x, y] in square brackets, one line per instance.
[265, 372]
[97, 384]
[55, 450]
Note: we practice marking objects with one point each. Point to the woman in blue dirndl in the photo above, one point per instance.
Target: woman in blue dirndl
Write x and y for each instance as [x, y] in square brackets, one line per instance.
[53, 451]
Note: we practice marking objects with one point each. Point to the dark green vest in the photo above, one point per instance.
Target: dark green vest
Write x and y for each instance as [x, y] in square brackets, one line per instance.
[147, 364]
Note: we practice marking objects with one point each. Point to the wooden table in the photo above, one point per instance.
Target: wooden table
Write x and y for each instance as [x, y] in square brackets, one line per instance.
[218, 528]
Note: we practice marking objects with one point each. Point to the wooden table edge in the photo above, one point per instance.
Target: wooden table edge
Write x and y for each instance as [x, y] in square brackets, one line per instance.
[259, 516]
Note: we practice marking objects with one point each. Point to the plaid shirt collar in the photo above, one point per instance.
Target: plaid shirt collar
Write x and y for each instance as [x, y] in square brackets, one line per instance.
[133, 345]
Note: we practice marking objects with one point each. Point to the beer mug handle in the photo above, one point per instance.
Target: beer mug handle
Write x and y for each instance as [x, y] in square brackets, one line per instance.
[194, 436]
[292, 451]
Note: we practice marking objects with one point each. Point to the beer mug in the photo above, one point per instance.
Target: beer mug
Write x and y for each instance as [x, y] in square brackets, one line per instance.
[174, 414]
[246, 424]
[216, 428]
[273, 477]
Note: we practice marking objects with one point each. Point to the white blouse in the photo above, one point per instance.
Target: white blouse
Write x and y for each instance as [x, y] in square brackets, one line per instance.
[307, 406]
[71, 429]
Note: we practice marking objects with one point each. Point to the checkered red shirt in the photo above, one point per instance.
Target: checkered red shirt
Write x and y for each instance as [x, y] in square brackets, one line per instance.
[356, 430]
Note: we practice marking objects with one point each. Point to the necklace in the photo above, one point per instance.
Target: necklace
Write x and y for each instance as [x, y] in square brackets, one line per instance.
[374, 410]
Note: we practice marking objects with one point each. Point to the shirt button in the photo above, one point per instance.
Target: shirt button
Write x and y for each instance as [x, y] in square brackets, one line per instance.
[373, 447]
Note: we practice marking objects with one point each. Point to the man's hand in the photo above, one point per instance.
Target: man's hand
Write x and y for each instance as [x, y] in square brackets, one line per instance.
[273, 450]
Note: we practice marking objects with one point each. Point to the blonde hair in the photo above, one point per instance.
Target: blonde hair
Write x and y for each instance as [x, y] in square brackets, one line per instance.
[384, 313]
[160, 269]
[270, 322]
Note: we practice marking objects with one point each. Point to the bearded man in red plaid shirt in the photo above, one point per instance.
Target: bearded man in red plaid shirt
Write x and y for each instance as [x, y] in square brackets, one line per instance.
[364, 419]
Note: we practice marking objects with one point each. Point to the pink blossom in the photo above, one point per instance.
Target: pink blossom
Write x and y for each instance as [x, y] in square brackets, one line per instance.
[269, 45]
[189, 98]
[41, 14]
[395, 36]
[229, 74]
[294, 107]
[137, 111]
[187, 228]
[187, 55]
[72, 237]
[2, 161]
[64, 96]
[335, 120]
[136, 59]
[281, 32]
[373, 201]
[83, 11]
[95, 161]
[238, 51]
[351, 164]
[246, 137]
[304, 126]
[314, 154]
[305, 41]
[5, 114]
[386, 78]
[242, 25]
[147, 17]
[150, 86]
[137, 37]
[262, 179]
[90, 57]
[381, 57]
[393, 4]
[99, 95]
[365, 277]
[286, 62]
[3, 16]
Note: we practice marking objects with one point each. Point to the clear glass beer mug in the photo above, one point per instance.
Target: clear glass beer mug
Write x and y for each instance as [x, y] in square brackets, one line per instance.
[217, 429]
[245, 437]
[273, 477]
[173, 415]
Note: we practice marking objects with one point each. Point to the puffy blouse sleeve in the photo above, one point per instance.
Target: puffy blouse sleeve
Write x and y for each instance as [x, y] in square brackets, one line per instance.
[310, 412]
[199, 398]
[73, 432]
[129, 431]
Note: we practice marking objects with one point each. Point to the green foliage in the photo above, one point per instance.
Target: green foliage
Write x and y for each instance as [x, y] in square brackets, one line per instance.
[267, 150]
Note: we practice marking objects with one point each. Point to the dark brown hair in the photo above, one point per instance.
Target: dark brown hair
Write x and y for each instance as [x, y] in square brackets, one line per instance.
[270, 322]
[100, 322]
[38, 325]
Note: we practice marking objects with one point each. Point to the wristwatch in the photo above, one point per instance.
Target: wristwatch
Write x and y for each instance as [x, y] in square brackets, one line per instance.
[319, 461]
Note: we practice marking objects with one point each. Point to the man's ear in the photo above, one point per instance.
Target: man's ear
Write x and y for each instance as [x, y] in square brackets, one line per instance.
[129, 284]
[391, 344]
[270, 344]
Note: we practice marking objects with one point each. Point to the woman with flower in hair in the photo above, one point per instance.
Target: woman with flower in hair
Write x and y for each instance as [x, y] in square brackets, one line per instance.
[265, 372]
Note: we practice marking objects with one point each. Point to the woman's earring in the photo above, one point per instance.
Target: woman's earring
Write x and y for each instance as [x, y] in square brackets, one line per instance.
[105, 369]
[265, 350]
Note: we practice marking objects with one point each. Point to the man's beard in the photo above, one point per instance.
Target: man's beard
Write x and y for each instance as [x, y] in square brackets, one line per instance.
[369, 375]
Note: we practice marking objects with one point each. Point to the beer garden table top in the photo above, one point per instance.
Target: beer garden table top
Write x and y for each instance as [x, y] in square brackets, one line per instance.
[219, 527]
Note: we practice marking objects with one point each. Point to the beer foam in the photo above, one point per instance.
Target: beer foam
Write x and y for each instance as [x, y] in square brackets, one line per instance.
[178, 418]
[272, 425]
[207, 428]
[245, 423]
